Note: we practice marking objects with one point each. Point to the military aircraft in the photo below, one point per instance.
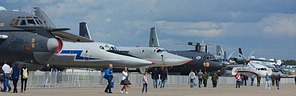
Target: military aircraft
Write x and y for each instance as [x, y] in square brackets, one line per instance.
[201, 59]
[154, 54]
[82, 52]
[25, 38]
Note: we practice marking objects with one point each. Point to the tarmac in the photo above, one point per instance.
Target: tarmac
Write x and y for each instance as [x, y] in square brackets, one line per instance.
[226, 90]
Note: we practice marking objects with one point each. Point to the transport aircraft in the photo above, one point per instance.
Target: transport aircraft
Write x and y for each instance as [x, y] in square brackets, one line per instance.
[25, 38]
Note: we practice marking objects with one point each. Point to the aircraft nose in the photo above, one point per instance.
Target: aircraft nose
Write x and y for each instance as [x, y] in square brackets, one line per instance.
[52, 44]
[176, 60]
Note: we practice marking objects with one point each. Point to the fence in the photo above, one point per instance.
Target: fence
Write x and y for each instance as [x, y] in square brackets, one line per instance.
[94, 79]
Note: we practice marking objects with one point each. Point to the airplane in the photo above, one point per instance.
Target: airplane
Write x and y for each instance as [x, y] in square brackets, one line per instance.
[80, 52]
[154, 54]
[25, 38]
[201, 59]
[254, 68]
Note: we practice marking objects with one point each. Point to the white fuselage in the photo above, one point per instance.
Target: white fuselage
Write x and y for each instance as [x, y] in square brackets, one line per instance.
[253, 67]
[157, 55]
[93, 55]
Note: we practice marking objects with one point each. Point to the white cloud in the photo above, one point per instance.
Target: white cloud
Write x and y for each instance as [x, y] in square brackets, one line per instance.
[43, 1]
[108, 20]
[192, 29]
[280, 24]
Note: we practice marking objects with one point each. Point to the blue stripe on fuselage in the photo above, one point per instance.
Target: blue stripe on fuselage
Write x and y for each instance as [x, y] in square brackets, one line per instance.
[78, 54]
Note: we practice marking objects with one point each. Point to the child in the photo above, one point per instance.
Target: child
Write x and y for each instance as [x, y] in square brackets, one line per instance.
[145, 83]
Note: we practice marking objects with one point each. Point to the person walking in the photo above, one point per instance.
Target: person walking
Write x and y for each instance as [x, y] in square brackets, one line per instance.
[155, 77]
[267, 83]
[24, 77]
[238, 79]
[191, 78]
[245, 78]
[215, 78]
[205, 79]
[46, 70]
[295, 80]
[277, 81]
[200, 75]
[109, 76]
[145, 83]
[6, 69]
[163, 77]
[258, 80]
[252, 79]
[15, 76]
[125, 81]
[272, 79]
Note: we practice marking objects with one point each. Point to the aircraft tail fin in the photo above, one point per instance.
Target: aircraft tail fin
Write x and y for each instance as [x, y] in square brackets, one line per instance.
[41, 14]
[83, 30]
[219, 50]
[240, 51]
[153, 41]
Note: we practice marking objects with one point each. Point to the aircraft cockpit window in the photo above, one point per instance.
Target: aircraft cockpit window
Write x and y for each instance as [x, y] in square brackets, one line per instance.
[101, 47]
[26, 21]
[31, 22]
[113, 48]
[159, 50]
[23, 22]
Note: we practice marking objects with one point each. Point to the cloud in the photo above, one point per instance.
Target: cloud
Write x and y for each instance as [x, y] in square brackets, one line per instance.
[280, 24]
[191, 29]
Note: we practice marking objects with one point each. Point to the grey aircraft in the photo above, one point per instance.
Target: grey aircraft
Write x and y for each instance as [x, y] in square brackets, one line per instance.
[154, 54]
[201, 59]
[25, 38]
[80, 52]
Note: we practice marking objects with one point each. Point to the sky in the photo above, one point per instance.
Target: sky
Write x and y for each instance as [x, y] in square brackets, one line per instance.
[267, 27]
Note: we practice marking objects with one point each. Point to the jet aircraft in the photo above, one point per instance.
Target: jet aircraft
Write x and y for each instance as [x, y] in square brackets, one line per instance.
[25, 38]
[200, 58]
[154, 54]
[82, 52]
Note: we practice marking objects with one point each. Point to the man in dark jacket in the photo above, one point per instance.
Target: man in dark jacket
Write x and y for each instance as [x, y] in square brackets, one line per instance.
[155, 77]
[15, 76]
[163, 77]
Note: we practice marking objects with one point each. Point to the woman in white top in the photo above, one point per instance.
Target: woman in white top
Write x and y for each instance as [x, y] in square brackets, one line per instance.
[124, 81]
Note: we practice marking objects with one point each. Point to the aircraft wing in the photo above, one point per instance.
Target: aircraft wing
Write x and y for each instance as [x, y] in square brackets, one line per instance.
[71, 37]
[263, 60]
[236, 65]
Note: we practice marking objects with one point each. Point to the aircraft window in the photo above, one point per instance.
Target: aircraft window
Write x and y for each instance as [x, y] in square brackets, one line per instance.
[40, 21]
[101, 47]
[37, 21]
[158, 50]
[23, 22]
[16, 21]
[31, 22]
[12, 21]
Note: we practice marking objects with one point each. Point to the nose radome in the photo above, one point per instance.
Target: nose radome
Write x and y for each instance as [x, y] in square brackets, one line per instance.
[178, 60]
[52, 44]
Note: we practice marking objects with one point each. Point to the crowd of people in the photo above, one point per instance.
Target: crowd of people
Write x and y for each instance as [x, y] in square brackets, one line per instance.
[155, 75]
[159, 76]
[241, 79]
[13, 74]
[202, 78]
